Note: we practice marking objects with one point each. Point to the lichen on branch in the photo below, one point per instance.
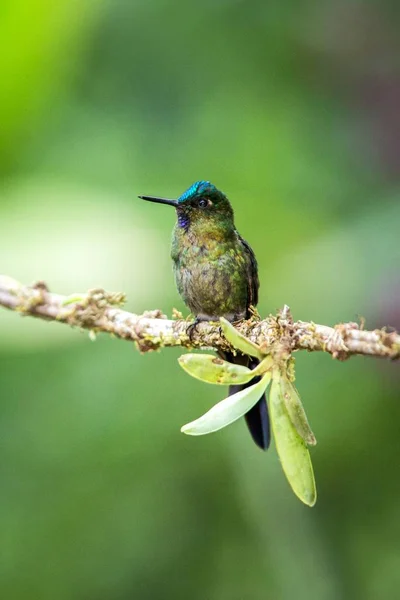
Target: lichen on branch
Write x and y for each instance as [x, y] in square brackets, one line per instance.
[100, 311]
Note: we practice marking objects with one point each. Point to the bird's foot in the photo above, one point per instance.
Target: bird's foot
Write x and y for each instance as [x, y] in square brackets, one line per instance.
[192, 328]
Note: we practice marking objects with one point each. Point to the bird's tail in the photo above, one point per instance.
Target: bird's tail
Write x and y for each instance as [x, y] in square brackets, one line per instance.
[257, 419]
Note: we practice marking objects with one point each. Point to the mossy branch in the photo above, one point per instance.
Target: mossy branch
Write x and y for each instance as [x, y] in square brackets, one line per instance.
[100, 311]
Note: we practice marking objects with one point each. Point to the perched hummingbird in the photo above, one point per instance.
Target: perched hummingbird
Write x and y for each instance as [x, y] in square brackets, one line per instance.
[216, 274]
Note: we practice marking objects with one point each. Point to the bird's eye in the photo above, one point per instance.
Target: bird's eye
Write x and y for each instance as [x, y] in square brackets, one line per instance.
[202, 203]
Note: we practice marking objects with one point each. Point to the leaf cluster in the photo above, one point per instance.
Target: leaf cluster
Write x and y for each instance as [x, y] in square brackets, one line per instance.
[290, 427]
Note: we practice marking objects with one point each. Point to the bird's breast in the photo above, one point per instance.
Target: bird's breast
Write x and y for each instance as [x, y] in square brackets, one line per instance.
[211, 277]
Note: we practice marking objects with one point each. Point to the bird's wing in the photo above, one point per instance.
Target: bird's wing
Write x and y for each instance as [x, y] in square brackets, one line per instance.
[252, 275]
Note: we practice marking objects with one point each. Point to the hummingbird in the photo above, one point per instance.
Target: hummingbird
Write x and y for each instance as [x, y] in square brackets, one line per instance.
[216, 274]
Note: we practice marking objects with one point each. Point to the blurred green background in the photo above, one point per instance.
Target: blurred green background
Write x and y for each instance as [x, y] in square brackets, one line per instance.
[293, 110]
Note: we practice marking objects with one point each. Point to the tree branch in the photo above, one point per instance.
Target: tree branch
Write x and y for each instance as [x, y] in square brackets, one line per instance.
[99, 311]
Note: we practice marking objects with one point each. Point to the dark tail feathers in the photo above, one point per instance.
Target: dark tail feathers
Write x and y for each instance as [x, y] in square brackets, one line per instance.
[257, 419]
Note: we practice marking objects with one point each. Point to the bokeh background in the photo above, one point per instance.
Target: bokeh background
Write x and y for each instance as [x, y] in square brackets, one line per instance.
[293, 110]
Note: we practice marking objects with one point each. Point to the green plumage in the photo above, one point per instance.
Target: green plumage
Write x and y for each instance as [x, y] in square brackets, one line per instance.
[215, 271]
[215, 277]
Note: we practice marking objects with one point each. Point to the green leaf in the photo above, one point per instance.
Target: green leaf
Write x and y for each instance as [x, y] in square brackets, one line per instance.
[74, 298]
[239, 341]
[263, 366]
[296, 411]
[212, 369]
[291, 448]
[229, 410]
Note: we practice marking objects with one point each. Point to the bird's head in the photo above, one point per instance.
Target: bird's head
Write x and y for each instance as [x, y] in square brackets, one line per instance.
[201, 202]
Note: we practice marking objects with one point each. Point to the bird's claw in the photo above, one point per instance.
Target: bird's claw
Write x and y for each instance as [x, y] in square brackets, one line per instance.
[192, 328]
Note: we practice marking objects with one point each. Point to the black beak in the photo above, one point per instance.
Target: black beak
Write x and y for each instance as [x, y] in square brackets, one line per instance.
[160, 200]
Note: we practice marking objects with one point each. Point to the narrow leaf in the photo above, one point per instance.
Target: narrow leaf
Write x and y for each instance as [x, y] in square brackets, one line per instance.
[292, 450]
[212, 369]
[74, 298]
[296, 411]
[238, 340]
[229, 410]
[263, 366]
